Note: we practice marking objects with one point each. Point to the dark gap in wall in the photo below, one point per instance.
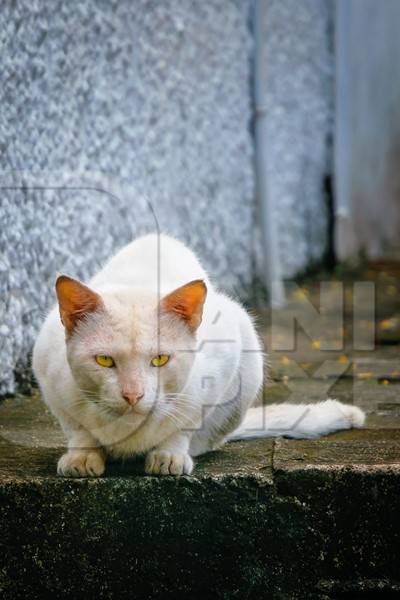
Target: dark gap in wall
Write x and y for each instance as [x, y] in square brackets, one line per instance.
[327, 263]
[329, 256]
[258, 293]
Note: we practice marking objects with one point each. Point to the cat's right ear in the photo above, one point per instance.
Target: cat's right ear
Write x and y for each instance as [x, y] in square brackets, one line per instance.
[75, 301]
[187, 302]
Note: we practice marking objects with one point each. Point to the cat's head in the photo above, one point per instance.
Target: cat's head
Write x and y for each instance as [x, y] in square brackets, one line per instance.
[130, 351]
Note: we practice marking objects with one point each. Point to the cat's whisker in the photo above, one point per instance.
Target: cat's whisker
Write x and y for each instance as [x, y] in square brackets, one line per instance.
[177, 394]
[175, 400]
[180, 409]
[173, 416]
[87, 391]
[177, 422]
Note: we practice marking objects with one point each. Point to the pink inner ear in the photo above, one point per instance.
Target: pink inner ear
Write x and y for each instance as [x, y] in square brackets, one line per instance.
[187, 302]
[75, 301]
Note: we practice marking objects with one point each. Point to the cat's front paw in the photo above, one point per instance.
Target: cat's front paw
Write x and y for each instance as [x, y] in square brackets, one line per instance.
[81, 463]
[162, 462]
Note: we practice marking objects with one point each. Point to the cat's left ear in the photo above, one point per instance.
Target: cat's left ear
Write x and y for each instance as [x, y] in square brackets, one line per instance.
[187, 302]
[75, 301]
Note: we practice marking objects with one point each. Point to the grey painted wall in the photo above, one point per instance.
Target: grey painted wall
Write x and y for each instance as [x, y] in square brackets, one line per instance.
[368, 128]
[122, 103]
[299, 67]
[155, 95]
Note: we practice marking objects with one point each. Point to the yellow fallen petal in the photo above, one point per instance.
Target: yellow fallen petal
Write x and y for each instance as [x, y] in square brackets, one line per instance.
[305, 365]
[316, 344]
[366, 375]
[300, 294]
[387, 324]
[285, 360]
[343, 359]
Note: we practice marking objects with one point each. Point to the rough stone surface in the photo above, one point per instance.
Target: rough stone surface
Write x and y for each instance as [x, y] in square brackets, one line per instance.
[151, 538]
[278, 519]
[367, 107]
[124, 104]
[350, 487]
[299, 92]
[149, 101]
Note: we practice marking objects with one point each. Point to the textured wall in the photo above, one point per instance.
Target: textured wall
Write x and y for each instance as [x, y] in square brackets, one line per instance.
[299, 66]
[368, 128]
[125, 102]
[151, 99]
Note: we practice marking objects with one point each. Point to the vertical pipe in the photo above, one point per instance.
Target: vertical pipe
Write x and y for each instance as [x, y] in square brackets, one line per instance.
[272, 264]
[344, 234]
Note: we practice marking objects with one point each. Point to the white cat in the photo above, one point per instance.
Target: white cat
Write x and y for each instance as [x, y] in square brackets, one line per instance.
[152, 359]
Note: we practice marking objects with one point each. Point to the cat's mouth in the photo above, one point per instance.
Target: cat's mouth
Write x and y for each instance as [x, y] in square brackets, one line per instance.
[137, 411]
[124, 410]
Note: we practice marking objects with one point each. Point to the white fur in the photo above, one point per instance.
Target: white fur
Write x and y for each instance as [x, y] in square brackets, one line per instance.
[192, 404]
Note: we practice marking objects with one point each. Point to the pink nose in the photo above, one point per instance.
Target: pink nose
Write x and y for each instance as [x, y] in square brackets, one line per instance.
[132, 398]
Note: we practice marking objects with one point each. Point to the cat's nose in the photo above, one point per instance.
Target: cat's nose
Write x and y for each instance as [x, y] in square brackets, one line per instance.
[132, 398]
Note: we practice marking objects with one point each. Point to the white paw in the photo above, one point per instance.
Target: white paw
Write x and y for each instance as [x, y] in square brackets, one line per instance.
[162, 462]
[81, 463]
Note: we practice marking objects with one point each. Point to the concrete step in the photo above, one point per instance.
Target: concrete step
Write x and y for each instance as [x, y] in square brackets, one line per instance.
[263, 519]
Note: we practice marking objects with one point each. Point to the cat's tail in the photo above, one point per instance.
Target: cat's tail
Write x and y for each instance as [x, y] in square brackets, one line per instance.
[298, 420]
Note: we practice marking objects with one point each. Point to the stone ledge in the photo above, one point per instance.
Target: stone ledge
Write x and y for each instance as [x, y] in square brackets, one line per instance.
[261, 519]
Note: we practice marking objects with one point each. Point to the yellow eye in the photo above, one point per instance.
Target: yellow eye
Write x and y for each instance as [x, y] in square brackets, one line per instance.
[105, 361]
[160, 360]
